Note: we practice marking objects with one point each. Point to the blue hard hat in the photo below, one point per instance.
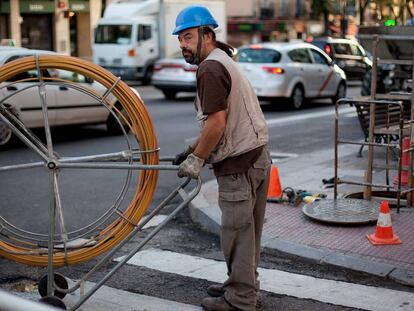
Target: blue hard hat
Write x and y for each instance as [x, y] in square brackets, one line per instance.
[194, 16]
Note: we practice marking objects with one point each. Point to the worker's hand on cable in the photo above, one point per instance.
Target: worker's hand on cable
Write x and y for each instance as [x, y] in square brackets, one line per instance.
[180, 158]
[191, 167]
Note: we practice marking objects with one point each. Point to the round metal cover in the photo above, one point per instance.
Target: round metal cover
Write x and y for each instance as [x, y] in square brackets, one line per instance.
[343, 211]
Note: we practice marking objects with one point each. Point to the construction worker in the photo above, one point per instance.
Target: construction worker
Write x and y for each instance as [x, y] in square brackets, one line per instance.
[233, 139]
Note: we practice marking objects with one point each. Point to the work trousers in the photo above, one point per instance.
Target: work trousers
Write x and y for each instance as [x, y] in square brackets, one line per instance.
[242, 200]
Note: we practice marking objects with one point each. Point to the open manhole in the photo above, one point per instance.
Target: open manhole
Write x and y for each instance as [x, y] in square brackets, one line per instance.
[343, 211]
[378, 196]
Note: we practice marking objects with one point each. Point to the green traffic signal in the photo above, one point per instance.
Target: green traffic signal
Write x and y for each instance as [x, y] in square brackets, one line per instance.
[389, 22]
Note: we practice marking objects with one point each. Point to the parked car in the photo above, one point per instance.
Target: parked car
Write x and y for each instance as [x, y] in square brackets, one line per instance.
[174, 75]
[66, 105]
[296, 71]
[348, 54]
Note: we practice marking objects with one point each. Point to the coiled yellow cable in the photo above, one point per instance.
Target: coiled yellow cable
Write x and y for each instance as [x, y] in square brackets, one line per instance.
[141, 125]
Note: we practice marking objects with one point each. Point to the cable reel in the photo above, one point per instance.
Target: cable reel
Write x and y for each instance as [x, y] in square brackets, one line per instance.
[80, 244]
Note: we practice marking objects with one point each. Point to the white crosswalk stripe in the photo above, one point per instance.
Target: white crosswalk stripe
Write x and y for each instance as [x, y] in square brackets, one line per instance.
[280, 282]
[107, 298]
[104, 299]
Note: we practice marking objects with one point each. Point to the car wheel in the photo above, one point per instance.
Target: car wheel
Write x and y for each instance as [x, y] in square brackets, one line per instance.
[366, 84]
[340, 93]
[114, 126]
[5, 134]
[297, 98]
[147, 77]
[169, 94]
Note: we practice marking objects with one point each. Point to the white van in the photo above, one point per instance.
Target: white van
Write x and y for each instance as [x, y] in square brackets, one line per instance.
[133, 34]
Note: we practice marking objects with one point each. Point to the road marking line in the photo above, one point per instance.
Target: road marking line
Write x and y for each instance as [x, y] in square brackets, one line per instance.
[280, 282]
[155, 221]
[108, 298]
[295, 118]
[307, 116]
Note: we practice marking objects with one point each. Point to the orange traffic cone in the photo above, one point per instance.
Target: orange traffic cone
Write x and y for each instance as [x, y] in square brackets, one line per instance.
[405, 162]
[275, 189]
[384, 234]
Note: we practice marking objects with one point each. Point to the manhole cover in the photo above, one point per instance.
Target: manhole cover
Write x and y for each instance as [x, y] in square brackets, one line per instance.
[343, 211]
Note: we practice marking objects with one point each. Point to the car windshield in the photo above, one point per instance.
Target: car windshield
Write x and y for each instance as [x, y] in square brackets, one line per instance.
[258, 56]
[113, 34]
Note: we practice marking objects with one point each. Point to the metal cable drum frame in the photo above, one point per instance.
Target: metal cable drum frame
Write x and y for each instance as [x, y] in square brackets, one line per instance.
[24, 248]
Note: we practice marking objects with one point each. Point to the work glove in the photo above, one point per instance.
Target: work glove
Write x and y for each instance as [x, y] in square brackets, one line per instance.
[179, 158]
[191, 167]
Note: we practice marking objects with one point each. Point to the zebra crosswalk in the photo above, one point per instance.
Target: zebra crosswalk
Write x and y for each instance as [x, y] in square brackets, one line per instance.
[273, 281]
[280, 282]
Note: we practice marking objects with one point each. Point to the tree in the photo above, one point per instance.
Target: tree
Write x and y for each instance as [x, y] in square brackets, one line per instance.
[322, 7]
[410, 8]
[363, 4]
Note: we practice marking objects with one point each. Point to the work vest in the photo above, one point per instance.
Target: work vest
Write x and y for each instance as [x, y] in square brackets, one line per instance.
[245, 123]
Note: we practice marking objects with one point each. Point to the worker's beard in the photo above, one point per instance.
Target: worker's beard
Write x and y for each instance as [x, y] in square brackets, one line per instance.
[189, 57]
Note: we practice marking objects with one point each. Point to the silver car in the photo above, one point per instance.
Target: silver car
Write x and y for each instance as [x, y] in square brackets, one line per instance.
[296, 71]
[66, 105]
[174, 75]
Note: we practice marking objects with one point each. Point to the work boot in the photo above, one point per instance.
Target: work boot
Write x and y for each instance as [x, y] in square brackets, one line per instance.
[217, 304]
[216, 290]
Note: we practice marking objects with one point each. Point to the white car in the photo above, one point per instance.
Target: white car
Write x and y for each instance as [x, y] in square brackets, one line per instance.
[297, 71]
[174, 75]
[66, 105]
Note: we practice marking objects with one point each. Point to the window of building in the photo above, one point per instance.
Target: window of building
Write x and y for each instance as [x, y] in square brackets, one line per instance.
[4, 29]
[37, 32]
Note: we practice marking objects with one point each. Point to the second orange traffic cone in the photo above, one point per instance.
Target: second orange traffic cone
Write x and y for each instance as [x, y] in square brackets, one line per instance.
[275, 188]
[405, 162]
[384, 235]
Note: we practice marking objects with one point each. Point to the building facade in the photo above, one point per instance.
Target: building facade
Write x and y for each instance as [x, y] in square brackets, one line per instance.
[64, 26]
[252, 21]
[67, 26]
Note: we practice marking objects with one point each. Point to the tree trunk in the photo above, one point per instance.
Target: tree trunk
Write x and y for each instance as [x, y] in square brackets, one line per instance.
[362, 12]
[326, 31]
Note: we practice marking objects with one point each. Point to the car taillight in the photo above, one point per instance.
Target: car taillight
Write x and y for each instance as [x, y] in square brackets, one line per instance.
[328, 49]
[158, 67]
[131, 53]
[256, 46]
[274, 70]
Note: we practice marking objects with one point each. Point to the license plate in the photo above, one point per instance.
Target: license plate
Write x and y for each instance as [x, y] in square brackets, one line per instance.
[172, 70]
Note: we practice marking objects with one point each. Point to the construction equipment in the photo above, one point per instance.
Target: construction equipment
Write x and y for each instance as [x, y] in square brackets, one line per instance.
[63, 243]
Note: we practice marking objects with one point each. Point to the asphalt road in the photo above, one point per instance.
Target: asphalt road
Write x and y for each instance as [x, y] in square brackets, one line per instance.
[86, 194]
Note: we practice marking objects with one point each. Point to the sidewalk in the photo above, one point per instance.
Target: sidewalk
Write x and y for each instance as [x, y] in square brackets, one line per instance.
[289, 230]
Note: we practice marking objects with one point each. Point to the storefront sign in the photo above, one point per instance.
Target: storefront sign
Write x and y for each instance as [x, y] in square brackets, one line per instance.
[37, 6]
[79, 5]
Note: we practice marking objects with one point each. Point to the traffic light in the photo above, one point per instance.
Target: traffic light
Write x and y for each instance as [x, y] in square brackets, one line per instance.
[389, 23]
